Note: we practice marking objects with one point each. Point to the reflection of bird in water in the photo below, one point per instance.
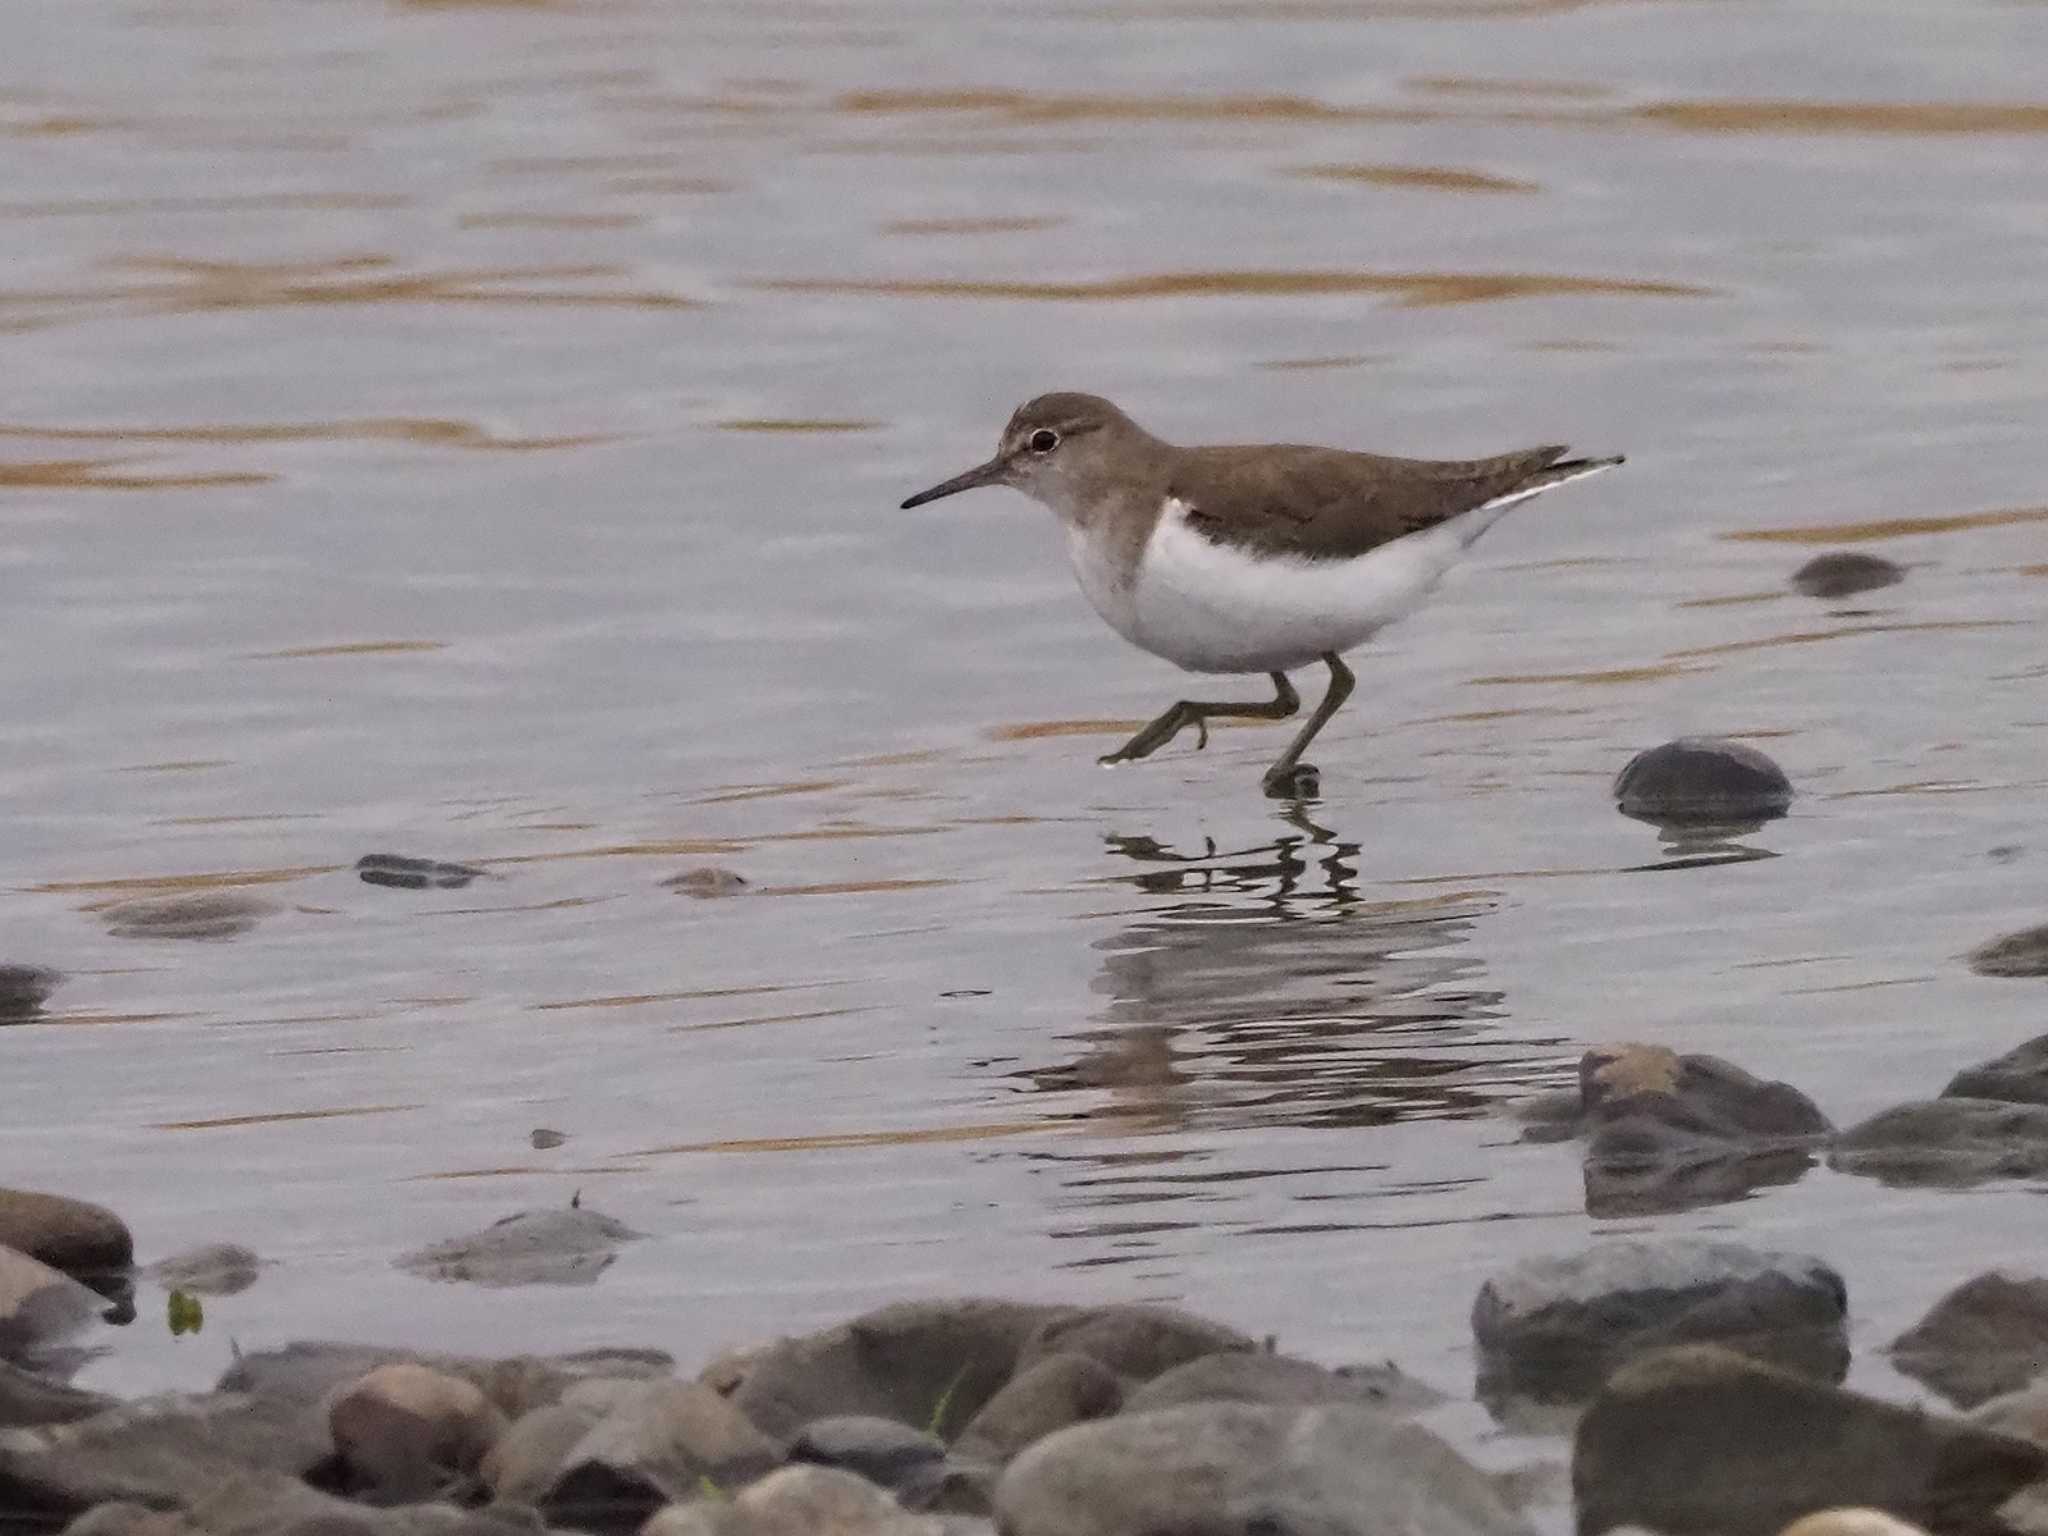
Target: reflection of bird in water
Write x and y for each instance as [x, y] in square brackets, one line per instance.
[1267, 990]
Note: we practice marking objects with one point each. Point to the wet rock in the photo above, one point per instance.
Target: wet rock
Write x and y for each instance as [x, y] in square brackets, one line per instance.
[23, 991]
[544, 1140]
[1137, 1342]
[1054, 1391]
[1667, 1132]
[883, 1451]
[705, 882]
[86, 1241]
[570, 1246]
[527, 1459]
[1701, 1440]
[172, 1452]
[196, 915]
[1702, 779]
[2023, 1413]
[40, 1308]
[1221, 1468]
[1851, 1522]
[125, 1519]
[27, 1399]
[666, 1444]
[405, 1431]
[216, 1269]
[1282, 1380]
[304, 1375]
[410, 874]
[2024, 953]
[1552, 1329]
[1844, 573]
[797, 1501]
[1951, 1142]
[1986, 1337]
[2020, 1076]
[927, 1363]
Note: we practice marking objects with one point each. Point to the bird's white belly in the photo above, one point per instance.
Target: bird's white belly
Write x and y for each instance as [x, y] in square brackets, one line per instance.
[1213, 607]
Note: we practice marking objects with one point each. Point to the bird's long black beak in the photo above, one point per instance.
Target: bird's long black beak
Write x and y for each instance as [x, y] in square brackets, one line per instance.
[990, 473]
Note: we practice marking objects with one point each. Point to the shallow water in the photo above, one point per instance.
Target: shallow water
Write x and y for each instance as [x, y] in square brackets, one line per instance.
[473, 431]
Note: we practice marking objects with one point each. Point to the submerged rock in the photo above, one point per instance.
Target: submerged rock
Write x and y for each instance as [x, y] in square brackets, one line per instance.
[798, 1501]
[1844, 573]
[928, 1363]
[1052, 1392]
[410, 874]
[1330, 1470]
[215, 1269]
[1553, 1329]
[707, 882]
[1948, 1141]
[1703, 1442]
[194, 915]
[1702, 779]
[2020, 1076]
[41, 1308]
[2024, 953]
[406, 1431]
[570, 1246]
[86, 1241]
[1986, 1337]
[670, 1442]
[23, 991]
[1667, 1132]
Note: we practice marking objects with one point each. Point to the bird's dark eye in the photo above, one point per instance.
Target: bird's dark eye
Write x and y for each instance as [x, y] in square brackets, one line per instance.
[1044, 440]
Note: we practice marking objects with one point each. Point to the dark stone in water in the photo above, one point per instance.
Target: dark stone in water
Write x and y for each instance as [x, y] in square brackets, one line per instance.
[1702, 1442]
[2020, 1076]
[24, 989]
[88, 1242]
[217, 1269]
[2024, 953]
[1553, 1329]
[544, 1140]
[408, 874]
[1947, 1142]
[1668, 1132]
[1987, 1337]
[558, 1247]
[1844, 573]
[1702, 779]
[707, 882]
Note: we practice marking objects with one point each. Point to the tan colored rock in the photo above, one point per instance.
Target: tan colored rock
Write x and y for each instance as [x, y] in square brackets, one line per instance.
[797, 1501]
[407, 1430]
[1060, 1389]
[1851, 1522]
[76, 1236]
[668, 1444]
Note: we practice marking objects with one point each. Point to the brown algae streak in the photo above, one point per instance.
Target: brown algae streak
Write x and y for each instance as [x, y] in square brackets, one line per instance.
[1409, 289]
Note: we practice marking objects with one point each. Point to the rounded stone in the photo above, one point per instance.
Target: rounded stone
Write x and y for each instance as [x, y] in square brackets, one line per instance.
[1702, 779]
[24, 989]
[1844, 573]
[405, 1429]
[2024, 953]
[84, 1240]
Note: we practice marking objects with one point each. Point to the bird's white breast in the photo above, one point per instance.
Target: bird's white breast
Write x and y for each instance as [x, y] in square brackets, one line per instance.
[1212, 607]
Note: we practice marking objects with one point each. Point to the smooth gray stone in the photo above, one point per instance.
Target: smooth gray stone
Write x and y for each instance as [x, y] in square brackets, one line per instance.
[216, 1269]
[674, 1441]
[568, 1246]
[1700, 779]
[798, 1501]
[1054, 1391]
[86, 1241]
[41, 1309]
[1552, 1329]
[197, 915]
[1137, 1342]
[304, 1374]
[2024, 953]
[884, 1451]
[1987, 1337]
[2020, 1076]
[1844, 573]
[28, 1399]
[1282, 1380]
[23, 991]
[928, 1363]
[1229, 1469]
[1700, 1441]
[529, 1457]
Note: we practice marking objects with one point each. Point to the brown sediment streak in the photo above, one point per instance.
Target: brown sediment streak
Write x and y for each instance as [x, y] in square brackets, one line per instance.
[1412, 289]
[1889, 528]
[1433, 178]
[226, 1122]
[853, 887]
[795, 424]
[739, 792]
[351, 648]
[217, 880]
[93, 475]
[1848, 117]
[1816, 636]
[1038, 730]
[454, 434]
[1613, 675]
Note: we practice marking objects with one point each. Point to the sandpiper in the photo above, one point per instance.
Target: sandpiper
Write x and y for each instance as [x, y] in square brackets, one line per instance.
[1260, 558]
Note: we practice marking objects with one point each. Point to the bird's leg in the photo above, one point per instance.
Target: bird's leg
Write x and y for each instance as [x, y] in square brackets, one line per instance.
[1194, 712]
[1284, 780]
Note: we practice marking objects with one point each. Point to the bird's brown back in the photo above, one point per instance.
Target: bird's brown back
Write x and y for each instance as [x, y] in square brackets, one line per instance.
[1327, 504]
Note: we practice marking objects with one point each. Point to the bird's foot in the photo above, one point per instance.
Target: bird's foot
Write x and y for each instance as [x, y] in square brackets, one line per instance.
[1296, 781]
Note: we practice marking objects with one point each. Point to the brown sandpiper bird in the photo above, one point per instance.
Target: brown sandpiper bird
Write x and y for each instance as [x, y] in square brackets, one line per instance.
[1261, 558]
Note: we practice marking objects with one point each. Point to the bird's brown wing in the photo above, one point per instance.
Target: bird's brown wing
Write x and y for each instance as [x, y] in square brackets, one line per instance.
[1326, 504]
